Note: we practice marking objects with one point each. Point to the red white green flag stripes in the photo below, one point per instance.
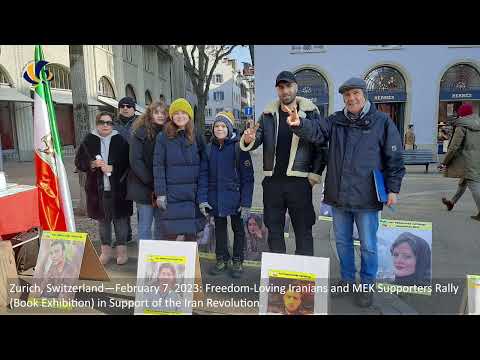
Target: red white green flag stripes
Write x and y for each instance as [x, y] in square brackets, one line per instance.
[55, 203]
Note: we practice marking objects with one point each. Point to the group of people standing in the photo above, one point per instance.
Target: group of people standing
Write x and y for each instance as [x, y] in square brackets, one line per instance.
[177, 179]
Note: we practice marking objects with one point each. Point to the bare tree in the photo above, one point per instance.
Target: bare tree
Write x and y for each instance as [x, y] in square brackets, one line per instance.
[200, 64]
[80, 109]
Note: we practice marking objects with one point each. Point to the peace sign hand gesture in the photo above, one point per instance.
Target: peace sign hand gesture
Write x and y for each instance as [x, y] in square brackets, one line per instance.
[293, 119]
[249, 134]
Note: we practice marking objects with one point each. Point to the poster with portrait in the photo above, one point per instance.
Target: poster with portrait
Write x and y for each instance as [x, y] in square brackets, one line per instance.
[405, 255]
[206, 239]
[165, 277]
[58, 266]
[473, 286]
[293, 285]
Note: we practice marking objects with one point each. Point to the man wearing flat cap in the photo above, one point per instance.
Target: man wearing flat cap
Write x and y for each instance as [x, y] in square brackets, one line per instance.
[361, 139]
[292, 166]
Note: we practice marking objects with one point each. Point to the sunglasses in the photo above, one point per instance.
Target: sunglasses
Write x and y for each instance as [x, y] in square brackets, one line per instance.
[107, 123]
[125, 106]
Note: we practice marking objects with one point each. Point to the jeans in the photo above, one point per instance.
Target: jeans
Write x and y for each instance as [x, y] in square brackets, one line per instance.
[105, 225]
[474, 187]
[462, 186]
[367, 224]
[221, 238]
[294, 194]
[148, 215]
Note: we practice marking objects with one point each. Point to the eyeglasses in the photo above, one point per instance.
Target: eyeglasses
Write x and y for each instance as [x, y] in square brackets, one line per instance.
[125, 106]
[107, 123]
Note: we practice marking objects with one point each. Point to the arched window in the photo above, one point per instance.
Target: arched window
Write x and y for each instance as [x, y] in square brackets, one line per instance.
[130, 92]
[105, 88]
[460, 77]
[312, 85]
[61, 77]
[3, 77]
[385, 79]
[148, 98]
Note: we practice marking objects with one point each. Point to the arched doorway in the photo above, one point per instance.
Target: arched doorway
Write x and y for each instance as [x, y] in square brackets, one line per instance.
[459, 84]
[386, 89]
[105, 88]
[61, 84]
[312, 85]
[130, 92]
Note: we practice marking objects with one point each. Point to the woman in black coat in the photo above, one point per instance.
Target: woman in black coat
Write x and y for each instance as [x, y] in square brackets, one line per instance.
[140, 178]
[103, 155]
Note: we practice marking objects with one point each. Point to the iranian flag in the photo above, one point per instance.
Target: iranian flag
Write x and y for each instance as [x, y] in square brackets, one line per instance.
[55, 203]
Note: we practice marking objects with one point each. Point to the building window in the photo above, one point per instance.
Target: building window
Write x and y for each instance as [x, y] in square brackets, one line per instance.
[302, 49]
[4, 78]
[61, 77]
[312, 85]
[217, 110]
[385, 47]
[385, 78]
[163, 66]
[209, 112]
[461, 77]
[218, 96]
[148, 58]
[107, 47]
[128, 52]
[218, 79]
[130, 92]
[105, 88]
[148, 98]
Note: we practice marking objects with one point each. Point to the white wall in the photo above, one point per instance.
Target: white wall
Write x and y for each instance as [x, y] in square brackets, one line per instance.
[422, 67]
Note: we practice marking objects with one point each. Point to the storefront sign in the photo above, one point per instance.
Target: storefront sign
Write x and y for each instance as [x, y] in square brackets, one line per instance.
[385, 97]
[317, 94]
[459, 96]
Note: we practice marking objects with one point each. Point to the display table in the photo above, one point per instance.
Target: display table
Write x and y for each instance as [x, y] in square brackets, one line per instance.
[18, 209]
[18, 213]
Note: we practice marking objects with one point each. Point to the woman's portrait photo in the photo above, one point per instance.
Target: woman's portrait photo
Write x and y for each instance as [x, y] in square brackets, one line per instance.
[404, 256]
[256, 237]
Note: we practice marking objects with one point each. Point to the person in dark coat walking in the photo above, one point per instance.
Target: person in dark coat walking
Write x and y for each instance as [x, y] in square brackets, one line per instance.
[227, 190]
[292, 166]
[176, 170]
[140, 178]
[361, 139]
[103, 155]
[126, 118]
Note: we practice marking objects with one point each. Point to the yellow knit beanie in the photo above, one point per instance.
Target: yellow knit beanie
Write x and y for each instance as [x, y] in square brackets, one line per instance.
[180, 104]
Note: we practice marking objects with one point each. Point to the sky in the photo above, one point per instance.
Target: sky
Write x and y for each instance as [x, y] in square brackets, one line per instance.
[242, 54]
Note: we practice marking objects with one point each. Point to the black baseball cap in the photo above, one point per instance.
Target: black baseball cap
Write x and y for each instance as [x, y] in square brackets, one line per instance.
[285, 76]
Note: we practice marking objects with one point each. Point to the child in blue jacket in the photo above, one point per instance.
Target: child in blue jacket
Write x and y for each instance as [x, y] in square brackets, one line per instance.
[226, 189]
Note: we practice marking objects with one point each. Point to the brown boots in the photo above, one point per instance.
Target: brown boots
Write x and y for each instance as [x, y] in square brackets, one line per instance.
[448, 204]
[121, 254]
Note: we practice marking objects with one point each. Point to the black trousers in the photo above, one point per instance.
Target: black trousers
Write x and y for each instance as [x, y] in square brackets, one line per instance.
[221, 238]
[294, 194]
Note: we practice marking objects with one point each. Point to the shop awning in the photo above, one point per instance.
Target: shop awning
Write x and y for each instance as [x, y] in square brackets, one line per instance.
[65, 97]
[12, 94]
[114, 103]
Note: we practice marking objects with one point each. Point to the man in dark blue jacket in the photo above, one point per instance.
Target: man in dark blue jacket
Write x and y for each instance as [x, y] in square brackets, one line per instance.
[361, 139]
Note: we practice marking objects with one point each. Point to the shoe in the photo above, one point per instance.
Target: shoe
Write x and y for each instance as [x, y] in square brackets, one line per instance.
[364, 299]
[220, 267]
[448, 204]
[342, 288]
[122, 256]
[106, 254]
[237, 269]
[476, 217]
